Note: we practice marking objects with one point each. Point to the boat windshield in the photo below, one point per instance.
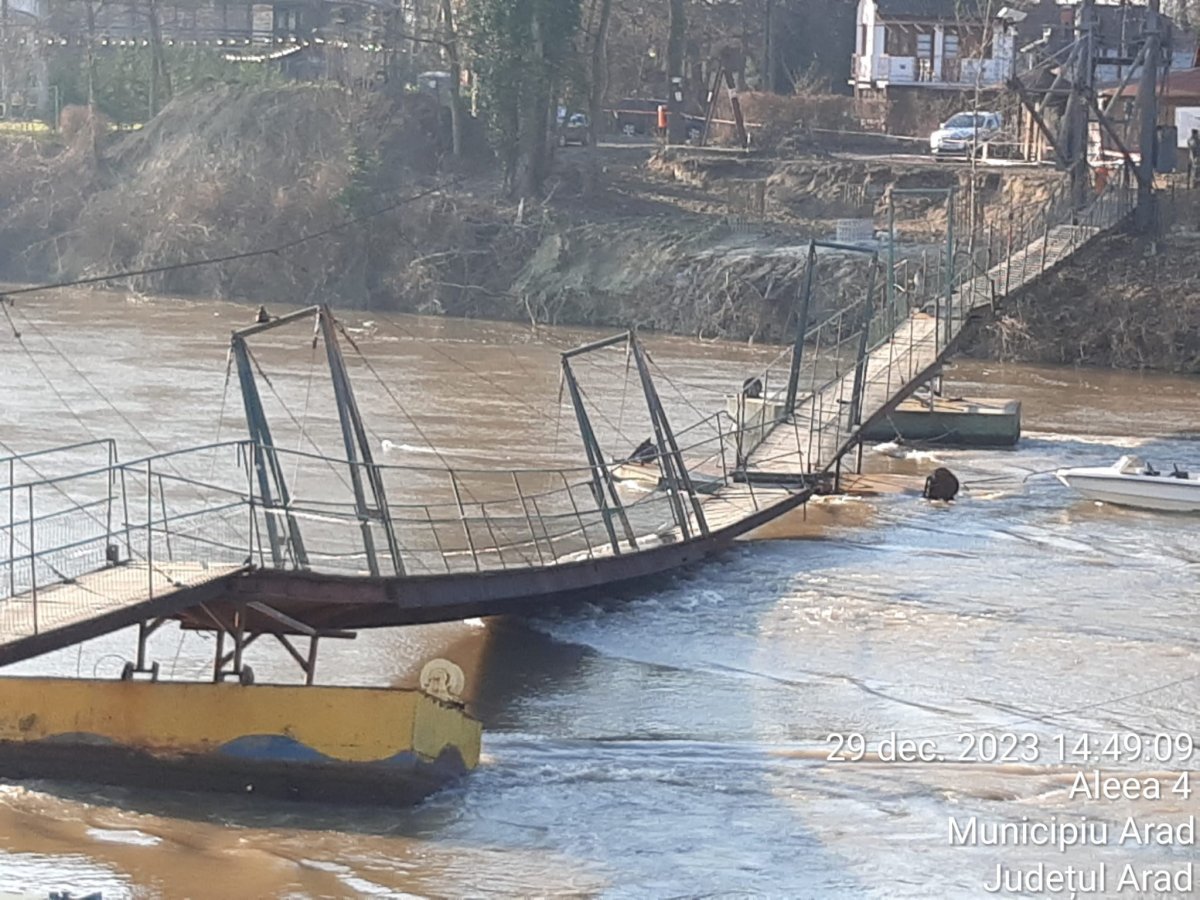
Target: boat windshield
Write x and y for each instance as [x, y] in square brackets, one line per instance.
[1130, 465]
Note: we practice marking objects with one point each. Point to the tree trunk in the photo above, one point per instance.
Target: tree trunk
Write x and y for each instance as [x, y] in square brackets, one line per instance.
[160, 78]
[769, 46]
[451, 39]
[415, 46]
[533, 118]
[5, 87]
[676, 129]
[90, 56]
[599, 84]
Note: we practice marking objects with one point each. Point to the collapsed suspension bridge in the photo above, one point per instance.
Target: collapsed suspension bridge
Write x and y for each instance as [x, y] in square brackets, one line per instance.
[216, 538]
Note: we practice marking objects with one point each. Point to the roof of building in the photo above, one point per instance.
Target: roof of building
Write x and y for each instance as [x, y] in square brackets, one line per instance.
[1116, 23]
[927, 9]
[1181, 85]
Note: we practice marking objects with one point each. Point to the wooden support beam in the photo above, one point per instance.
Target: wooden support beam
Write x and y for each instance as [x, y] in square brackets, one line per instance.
[296, 625]
[1112, 133]
[1125, 81]
[1027, 101]
[306, 313]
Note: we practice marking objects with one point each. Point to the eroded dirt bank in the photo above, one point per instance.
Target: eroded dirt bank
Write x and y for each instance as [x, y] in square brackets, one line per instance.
[1124, 302]
[698, 244]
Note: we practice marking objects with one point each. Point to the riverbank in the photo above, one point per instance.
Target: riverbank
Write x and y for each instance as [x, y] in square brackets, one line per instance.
[1124, 302]
[701, 244]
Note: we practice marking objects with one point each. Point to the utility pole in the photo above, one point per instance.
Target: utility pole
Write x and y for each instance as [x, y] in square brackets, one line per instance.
[677, 34]
[1148, 107]
[5, 88]
[1078, 109]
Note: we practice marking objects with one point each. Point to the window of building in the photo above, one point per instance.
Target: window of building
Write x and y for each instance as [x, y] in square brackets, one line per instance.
[969, 42]
[900, 40]
[287, 20]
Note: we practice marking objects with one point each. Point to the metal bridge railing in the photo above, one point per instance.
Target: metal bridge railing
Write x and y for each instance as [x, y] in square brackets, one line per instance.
[134, 520]
[148, 522]
[75, 510]
[861, 356]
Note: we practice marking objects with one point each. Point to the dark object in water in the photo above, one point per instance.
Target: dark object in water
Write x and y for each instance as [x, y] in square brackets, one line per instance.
[646, 452]
[263, 317]
[752, 388]
[940, 485]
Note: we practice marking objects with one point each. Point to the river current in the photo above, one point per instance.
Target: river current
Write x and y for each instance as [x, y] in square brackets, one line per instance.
[675, 743]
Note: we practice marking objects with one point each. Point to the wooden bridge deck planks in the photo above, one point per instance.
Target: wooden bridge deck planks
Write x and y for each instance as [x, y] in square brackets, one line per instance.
[813, 435]
[102, 601]
[735, 502]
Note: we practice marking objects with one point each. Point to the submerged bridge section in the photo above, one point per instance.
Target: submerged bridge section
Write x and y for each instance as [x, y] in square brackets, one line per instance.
[223, 538]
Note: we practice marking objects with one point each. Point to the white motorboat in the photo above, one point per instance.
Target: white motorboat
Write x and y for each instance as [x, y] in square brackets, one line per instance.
[1131, 482]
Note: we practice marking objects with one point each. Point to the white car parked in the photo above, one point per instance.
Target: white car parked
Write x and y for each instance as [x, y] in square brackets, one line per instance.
[965, 133]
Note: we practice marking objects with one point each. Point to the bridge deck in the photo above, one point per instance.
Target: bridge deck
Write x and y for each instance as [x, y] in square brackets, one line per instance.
[739, 501]
[501, 561]
[818, 434]
[103, 601]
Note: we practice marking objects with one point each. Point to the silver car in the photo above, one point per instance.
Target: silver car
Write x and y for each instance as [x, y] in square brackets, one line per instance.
[965, 133]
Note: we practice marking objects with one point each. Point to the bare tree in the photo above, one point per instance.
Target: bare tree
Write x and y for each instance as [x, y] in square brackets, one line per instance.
[92, 8]
[450, 34]
[160, 77]
[5, 87]
[599, 71]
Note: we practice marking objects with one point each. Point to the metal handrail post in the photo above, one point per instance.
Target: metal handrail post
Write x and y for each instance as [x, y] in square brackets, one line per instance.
[528, 520]
[112, 480]
[891, 264]
[801, 333]
[250, 530]
[740, 438]
[149, 529]
[33, 561]
[462, 515]
[721, 444]
[162, 503]
[492, 534]
[125, 513]
[579, 517]
[437, 541]
[1008, 253]
[950, 274]
[817, 428]
[859, 389]
[545, 531]
[12, 534]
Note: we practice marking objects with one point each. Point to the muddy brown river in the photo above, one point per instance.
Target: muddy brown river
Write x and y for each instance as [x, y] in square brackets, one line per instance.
[678, 742]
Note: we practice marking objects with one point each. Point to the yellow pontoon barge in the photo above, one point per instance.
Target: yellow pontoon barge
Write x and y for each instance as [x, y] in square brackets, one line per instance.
[329, 744]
